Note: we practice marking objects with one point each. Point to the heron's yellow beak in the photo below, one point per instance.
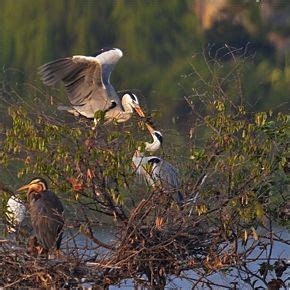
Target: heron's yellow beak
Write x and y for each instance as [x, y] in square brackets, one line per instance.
[30, 188]
[139, 110]
[24, 187]
[150, 129]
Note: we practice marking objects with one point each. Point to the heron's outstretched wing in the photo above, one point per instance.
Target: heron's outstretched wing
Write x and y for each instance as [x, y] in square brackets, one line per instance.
[86, 78]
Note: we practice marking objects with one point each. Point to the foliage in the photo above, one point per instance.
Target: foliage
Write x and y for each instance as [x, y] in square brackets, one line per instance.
[242, 154]
[75, 158]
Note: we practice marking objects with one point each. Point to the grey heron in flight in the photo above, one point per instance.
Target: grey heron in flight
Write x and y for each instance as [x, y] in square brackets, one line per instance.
[87, 83]
[46, 212]
[157, 172]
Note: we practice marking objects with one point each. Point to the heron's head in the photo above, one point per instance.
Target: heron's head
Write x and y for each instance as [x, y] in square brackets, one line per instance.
[157, 139]
[154, 160]
[37, 184]
[130, 102]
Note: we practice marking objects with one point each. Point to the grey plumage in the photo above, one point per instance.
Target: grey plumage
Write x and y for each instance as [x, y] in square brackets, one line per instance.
[159, 174]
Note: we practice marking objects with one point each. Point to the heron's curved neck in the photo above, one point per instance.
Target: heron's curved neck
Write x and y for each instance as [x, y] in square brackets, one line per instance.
[128, 109]
[153, 146]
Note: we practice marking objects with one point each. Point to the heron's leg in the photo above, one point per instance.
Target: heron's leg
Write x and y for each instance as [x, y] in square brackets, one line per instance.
[58, 243]
[33, 246]
[42, 251]
[58, 254]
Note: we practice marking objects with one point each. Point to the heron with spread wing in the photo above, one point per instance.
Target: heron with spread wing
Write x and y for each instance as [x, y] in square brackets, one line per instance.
[87, 83]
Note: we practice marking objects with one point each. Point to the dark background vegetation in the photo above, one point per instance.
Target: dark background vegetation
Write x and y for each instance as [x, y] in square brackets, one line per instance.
[162, 41]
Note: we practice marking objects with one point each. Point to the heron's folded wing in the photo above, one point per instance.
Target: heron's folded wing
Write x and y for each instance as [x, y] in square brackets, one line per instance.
[47, 218]
[169, 175]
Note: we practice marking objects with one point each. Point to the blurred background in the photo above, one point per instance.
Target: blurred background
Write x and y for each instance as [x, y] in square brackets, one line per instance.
[163, 42]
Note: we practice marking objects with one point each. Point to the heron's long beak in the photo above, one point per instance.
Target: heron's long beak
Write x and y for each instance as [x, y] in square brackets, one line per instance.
[27, 186]
[139, 111]
[150, 129]
[30, 187]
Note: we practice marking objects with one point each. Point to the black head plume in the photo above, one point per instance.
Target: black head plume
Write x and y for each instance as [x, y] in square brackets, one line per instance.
[104, 49]
[159, 137]
[154, 160]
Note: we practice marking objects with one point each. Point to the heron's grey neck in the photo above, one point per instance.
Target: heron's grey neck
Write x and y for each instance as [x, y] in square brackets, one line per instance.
[107, 69]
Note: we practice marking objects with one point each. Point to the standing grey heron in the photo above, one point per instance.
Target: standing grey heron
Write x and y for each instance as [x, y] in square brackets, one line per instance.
[87, 83]
[46, 212]
[157, 172]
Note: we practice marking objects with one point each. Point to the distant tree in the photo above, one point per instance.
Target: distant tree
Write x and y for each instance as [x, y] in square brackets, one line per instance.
[161, 42]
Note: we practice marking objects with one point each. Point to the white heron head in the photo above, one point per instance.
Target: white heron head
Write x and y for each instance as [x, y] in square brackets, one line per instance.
[130, 102]
[157, 140]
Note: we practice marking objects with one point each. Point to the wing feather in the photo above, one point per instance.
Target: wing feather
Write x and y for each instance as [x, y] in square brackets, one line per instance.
[85, 78]
[167, 174]
[80, 77]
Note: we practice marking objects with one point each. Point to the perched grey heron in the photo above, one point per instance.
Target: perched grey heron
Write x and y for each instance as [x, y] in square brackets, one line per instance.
[15, 214]
[157, 172]
[46, 212]
[87, 82]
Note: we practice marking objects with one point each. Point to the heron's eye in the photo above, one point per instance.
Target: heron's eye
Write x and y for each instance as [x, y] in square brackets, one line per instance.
[113, 105]
[134, 98]
[104, 49]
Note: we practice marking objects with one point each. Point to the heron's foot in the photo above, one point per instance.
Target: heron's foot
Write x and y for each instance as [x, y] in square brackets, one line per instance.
[33, 246]
[58, 254]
